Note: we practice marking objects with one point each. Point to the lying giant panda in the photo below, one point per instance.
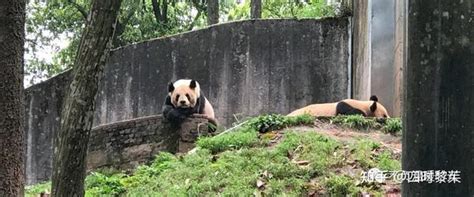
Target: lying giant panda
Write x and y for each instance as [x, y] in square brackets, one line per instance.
[371, 108]
[185, 99]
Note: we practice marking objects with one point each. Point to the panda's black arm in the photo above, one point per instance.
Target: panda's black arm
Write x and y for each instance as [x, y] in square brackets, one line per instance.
[170, 113]
[173, 114]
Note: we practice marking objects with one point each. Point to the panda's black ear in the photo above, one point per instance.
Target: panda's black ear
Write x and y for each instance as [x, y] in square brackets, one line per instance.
[374, 98]
[192, 85]
[373, 107]
[170, 87]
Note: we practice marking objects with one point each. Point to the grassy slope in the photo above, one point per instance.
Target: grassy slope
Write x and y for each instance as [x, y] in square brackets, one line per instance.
[284, 161]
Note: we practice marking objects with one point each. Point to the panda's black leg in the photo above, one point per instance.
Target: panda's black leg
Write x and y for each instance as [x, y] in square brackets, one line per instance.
[343, 108]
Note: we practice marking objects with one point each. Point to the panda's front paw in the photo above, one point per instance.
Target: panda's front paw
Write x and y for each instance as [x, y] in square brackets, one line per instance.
[195, 115]
[185, 111]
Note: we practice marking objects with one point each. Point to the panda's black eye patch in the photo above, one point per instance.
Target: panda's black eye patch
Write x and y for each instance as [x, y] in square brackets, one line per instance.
[177, 97]
[187, 96]
[384, 116]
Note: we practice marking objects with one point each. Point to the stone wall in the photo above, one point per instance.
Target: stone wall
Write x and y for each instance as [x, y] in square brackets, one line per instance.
[125, 144]
[245, 68]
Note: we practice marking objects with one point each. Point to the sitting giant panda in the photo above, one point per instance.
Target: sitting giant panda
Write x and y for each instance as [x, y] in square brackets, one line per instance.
[185, 99]
[371, 108]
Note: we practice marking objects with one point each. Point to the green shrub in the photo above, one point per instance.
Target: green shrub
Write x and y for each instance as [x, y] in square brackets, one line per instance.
[354, 121]
[276, 121]
[392, 126]
[34, 190]
[267, 122]
[99, 184]
[304, 119]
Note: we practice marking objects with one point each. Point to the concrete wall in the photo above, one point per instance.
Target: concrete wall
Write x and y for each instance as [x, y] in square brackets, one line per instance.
[378, 51]
[245, 68]
[361, 50]
[382, 46]
[42, 117]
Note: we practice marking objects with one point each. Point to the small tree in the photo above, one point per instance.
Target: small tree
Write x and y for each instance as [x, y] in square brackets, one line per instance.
[70, 144]
[212, 12]
[255, 9]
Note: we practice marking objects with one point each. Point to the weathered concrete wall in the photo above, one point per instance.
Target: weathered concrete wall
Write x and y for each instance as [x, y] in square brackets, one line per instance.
[245, 68]
[379, 29]
[382, 46]
[42, 111]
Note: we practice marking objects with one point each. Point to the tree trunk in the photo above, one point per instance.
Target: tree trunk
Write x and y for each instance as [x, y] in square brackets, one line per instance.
[161, 13]
[438, 130]
[70, 144]
[12, 39]
[255, 9]
[212, 12]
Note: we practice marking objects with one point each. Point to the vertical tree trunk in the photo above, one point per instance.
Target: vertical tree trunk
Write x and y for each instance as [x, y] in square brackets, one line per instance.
[438, 132]
[212, 12]
[255, 9]
[12, 39]
[160, 10]
[70, 144]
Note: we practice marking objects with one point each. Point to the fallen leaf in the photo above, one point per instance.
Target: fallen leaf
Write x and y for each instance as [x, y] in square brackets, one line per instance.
[260, 183]
[302, 162]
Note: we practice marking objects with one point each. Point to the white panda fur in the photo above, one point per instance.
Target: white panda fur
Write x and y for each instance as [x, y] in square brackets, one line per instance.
[198, 107]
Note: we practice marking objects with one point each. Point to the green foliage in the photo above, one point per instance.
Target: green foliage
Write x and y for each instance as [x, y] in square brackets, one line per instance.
[355, 121]
[368, 155]
[228, 141]
[385, 161]
[304, 119]
[34, 190]
[239, 11]
[269, 122]
[241, 163]
[237, 172]
[232, 172]
[341, 186]
[100, 184]
[392, 126]
[363, 151]
[57, 21]
[296, 9]
[283, 9]
[277, 121]
[317, 149]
